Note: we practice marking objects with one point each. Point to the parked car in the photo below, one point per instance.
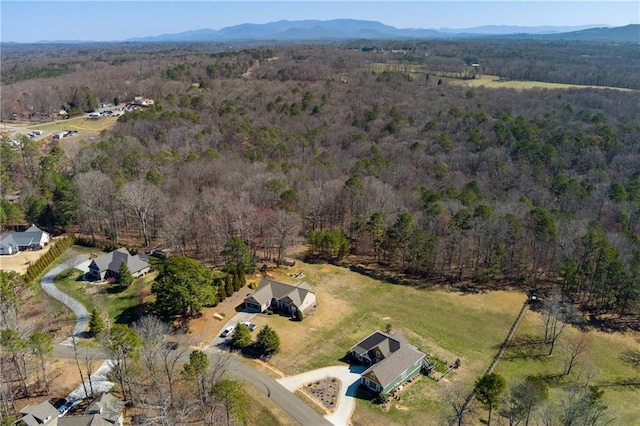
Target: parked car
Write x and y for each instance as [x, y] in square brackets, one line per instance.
[171, 345]
[251, 326]
[227, 331]
[160, 254]
[38, 132]
[65, 408]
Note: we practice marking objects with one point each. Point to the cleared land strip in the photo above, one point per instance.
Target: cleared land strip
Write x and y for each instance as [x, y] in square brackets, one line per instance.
[503, 348]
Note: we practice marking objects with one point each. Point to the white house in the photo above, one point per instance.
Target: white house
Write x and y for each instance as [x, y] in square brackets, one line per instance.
[33, 238]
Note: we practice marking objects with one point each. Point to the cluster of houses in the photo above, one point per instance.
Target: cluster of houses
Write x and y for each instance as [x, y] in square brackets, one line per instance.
[106, 410]
[391, 360]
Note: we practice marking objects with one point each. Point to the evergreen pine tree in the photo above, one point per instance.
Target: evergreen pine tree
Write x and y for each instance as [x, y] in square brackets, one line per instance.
[229, 285]
[96, 323]
[125, 278]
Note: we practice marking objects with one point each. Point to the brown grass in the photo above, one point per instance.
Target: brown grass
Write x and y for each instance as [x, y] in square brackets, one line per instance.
[20, 262]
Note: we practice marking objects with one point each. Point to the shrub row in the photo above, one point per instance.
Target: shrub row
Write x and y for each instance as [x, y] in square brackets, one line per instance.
[104, 246]
[35, 269]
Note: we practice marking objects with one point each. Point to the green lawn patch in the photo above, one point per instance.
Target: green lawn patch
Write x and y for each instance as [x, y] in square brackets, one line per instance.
[122, 305]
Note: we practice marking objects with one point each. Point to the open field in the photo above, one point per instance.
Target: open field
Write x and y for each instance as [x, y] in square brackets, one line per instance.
[81, 124]
[488, 81]
[448, 325]
[470, 327]
[494, 82]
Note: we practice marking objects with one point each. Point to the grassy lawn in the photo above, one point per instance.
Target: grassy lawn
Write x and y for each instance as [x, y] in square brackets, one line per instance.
[78, 123]
[470, 327]
[603, 365]
[120, 304]
[488, 81]
[351, 306]
[494, 81]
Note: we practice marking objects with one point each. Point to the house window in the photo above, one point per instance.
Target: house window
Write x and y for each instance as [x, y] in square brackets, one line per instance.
[373, 375]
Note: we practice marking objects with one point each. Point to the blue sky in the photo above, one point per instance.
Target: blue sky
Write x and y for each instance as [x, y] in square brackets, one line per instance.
[97, 20]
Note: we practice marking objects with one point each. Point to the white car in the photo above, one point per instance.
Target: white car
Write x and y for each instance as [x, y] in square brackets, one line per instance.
[227, 331]
[251, 326]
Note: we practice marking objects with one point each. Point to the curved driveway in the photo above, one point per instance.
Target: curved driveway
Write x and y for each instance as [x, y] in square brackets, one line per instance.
[267, 385]
[82, 316]
[349, 378]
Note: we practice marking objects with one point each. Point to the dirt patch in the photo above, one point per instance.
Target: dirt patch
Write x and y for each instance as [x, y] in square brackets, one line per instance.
[20, 261]
[204, 329]
[64, 378]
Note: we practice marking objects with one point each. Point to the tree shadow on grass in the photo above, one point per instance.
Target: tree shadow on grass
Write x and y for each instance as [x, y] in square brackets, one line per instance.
[627, 382]
[115, 289]
[130, 315]
[526, 347]
[631, 357]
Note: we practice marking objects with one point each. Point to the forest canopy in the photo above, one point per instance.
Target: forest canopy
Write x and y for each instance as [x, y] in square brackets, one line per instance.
[372, 144]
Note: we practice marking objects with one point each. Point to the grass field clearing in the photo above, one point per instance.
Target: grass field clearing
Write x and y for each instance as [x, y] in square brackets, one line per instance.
[480, 80]
[450, 325]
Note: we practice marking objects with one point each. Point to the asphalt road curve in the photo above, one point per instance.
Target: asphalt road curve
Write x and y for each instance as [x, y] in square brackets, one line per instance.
[290, 403]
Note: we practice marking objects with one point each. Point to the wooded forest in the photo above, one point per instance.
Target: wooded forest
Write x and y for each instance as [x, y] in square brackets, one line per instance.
[366, 151]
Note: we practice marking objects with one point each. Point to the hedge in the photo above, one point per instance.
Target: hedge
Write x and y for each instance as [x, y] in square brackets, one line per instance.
[35, 269]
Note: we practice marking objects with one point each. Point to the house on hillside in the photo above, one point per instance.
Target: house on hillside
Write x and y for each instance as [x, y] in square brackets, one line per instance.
[108, 265]
[106, 407]
[391, 359]
[33, 238]
[140, 101]
[281, 297]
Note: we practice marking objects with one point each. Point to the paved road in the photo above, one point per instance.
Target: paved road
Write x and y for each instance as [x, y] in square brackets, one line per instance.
[301, 412]
[82, 316]
[279, 394]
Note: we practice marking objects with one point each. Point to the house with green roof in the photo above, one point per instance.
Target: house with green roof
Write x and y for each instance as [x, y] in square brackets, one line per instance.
[391, 359]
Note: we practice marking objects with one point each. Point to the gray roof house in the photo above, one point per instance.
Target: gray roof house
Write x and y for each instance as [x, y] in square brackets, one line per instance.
[40, 414]
[106, 410]
[278, 296]
[393, 361]
[32, 238]
[108, 264]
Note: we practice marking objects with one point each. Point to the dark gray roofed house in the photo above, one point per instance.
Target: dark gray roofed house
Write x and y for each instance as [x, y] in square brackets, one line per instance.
[279, 296]
[393, 361]
[108, 264]
[40, 414]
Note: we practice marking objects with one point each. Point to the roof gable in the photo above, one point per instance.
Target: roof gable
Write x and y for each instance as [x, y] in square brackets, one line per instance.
[112, 261]
[269, 289]
[39, 414]
[390, 368]
[384, 342]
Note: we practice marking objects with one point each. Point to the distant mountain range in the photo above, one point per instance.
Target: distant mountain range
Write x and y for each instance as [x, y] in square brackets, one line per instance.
[350, 29]
[353, 29]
